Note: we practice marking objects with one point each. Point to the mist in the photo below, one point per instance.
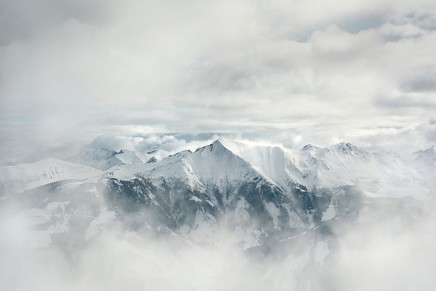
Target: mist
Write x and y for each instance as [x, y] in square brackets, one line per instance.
[390, 246]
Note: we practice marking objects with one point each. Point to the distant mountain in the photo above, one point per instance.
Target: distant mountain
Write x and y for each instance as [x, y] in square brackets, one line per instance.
[426, 158]
[22, 177]
[103, 159]
[425, 162]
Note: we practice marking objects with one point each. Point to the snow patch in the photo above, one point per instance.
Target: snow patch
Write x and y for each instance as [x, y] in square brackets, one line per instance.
[330, 212]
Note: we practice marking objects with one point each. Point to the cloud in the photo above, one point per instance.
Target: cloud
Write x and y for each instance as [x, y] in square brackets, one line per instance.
[23, 19]
[422, 80]
[73, 71]
[406, 102]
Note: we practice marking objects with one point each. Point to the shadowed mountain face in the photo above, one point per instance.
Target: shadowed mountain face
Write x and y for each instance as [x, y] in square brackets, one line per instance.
[266, 212]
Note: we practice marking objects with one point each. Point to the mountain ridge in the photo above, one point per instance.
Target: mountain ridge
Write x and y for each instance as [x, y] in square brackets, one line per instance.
[261, 193]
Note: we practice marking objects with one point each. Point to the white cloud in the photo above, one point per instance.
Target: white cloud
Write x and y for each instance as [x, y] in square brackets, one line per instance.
[73, 71]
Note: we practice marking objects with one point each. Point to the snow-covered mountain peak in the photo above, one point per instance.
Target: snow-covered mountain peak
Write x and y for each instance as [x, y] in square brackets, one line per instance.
[346, 148]
[430, 151]
[216, 147]
[211, 164]
[426, 160]
[103, 158]
[309, 147]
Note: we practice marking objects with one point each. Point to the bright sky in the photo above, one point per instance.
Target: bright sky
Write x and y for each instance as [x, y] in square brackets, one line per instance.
[293, 72]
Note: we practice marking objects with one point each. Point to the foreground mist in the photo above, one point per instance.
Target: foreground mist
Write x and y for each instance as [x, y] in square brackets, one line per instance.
[389, 247]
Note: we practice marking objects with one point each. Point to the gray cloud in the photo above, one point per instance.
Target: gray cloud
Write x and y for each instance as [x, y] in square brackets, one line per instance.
[406, 102]
[423, 80]
[424, 18]
[23, 19]
[73, 71]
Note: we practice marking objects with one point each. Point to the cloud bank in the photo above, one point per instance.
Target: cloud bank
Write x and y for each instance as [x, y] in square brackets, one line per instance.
[289, 70]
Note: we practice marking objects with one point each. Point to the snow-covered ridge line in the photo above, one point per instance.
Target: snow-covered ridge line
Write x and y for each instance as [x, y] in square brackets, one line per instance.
[23, 177]
[377, 174]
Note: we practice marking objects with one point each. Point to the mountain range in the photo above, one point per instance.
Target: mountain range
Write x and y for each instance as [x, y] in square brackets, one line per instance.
[262, 195]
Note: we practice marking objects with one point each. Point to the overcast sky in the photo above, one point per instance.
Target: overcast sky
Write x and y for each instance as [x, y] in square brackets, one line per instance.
[294, 72]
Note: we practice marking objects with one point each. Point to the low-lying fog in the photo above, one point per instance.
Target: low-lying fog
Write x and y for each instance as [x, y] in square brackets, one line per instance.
[390, 247]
